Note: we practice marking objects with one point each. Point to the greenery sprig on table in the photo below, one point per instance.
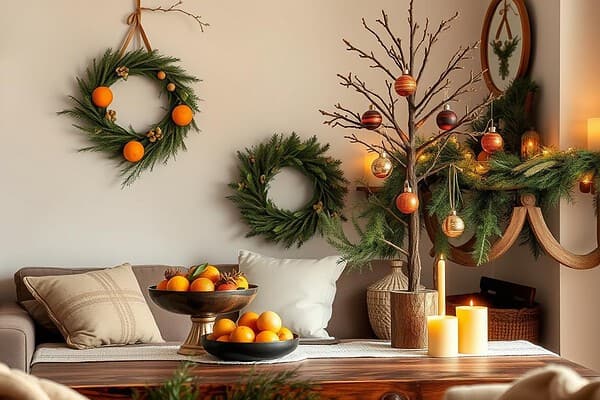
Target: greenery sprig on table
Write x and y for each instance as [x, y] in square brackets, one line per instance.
[254, 386]
[259, 165]
[163, 139]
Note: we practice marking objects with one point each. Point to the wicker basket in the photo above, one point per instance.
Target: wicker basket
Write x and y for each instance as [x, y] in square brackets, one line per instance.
[519, 321]
[378, 300]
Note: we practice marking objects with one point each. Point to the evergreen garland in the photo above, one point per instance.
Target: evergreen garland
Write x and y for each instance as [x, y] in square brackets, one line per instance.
[257, 167]
[106, 135]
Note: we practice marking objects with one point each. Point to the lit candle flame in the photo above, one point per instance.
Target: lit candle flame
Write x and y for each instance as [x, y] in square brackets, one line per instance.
[471, 303]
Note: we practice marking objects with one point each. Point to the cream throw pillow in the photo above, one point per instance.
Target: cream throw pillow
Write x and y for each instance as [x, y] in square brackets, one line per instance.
[97, 308]
[301, 291]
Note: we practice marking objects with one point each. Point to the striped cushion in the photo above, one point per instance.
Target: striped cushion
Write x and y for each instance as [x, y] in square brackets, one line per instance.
[98, 308]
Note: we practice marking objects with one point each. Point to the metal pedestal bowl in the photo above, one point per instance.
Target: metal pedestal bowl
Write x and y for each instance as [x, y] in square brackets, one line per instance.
[203, 308]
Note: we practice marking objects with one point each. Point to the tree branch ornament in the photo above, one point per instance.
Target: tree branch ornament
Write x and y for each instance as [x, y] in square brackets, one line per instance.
[401, 138]
[135, 151]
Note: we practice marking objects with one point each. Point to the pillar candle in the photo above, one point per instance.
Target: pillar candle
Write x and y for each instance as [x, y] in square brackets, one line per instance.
[472, 329]
[442, 335]
[441, 285]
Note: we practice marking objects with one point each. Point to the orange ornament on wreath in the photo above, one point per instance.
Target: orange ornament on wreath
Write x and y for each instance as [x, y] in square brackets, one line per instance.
[182, 115]
[102, 96]
[133, 151]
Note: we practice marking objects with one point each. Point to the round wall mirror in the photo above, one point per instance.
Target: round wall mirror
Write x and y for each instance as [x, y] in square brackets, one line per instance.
[505, 43]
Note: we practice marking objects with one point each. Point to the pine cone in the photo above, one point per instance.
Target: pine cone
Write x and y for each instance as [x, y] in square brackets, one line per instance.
[171, 272]
[226, 277]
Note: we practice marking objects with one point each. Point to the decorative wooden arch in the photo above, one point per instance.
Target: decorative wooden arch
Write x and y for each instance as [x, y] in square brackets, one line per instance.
[528, 210]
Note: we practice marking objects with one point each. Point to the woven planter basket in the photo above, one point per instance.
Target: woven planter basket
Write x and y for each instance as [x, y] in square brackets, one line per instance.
[378, 300]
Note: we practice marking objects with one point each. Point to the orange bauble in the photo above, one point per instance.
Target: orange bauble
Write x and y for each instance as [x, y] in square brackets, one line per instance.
[405, 85]
[491, 141]
[407, 202]
[483, 156]
[102, 96]
[133, 151]
[182, 115]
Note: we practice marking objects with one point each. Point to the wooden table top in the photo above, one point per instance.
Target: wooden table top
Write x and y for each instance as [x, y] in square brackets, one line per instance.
[462, 370]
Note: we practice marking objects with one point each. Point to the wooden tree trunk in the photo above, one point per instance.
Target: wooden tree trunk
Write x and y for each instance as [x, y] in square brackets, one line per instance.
[409, 311]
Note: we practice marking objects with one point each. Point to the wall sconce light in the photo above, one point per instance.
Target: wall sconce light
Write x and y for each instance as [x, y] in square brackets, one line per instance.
[586, 185]
[593, 134]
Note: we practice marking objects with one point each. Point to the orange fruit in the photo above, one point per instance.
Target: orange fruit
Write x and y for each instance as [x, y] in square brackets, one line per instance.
[161, 75]
[210, 337]
[202, 285]
[102, 96]
[227, 286]
[224, 338]
[182, 115]
[162, 285]
[224, 326]
[249, 319]
[242, 334]
[211, 272]
[266, 336]
[178, 284]
[269, 321]
[133, 151]
[285, 334]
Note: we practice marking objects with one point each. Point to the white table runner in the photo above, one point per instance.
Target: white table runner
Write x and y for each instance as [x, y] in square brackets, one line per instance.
[354, 349]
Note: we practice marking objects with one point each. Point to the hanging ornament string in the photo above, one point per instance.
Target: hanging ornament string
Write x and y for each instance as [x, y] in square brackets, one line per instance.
[453, 187]
[134, 20]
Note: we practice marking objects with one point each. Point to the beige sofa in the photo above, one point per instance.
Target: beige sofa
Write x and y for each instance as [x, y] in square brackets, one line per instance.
[19, 335]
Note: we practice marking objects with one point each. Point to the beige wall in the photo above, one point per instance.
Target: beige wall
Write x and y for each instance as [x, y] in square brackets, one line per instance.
[580, 100]
[267, 67]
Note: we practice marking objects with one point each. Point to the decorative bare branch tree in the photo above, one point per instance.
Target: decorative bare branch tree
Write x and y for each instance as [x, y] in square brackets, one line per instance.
[405, 146]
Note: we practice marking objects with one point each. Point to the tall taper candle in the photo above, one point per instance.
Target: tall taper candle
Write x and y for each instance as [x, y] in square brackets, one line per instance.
[441, 285]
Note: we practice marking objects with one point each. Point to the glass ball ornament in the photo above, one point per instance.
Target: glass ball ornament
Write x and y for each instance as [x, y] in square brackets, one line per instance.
[453, 225]
[407, 202]
[446, 119]
[371, 119]
[382, 166]
[405, 85]
[491, 141]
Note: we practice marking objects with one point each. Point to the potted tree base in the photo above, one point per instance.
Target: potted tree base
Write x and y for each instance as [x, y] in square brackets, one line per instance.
[409, 311]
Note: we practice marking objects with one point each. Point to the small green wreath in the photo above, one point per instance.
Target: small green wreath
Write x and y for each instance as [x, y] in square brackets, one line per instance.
[137, 151]
[261, 163]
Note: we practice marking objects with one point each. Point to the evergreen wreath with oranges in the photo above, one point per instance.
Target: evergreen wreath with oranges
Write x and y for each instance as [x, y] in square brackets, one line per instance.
[136, 151]
[259, 165]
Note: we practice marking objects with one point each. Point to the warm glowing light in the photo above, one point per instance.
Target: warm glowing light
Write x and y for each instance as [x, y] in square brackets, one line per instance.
[593, 134]
[471, 303]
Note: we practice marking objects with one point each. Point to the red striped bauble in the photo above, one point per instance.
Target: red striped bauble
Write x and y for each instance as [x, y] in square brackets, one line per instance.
[371, 119]
[405, 85]
[491, 141]
[446, 119]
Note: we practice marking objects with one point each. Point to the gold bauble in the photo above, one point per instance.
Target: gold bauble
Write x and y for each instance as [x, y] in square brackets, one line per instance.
[453, 226]
[381, 167]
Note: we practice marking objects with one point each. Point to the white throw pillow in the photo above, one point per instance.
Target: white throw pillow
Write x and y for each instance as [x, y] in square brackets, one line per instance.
[301, 291]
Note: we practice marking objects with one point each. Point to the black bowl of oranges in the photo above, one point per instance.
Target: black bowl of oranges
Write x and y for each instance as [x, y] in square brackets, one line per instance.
[253, 338]
[202, 292]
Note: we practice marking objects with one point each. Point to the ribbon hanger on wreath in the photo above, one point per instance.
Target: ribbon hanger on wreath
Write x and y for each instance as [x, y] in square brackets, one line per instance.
[161, 141]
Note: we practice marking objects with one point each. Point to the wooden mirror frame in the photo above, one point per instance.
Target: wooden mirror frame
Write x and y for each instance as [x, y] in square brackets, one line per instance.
[525, 48]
